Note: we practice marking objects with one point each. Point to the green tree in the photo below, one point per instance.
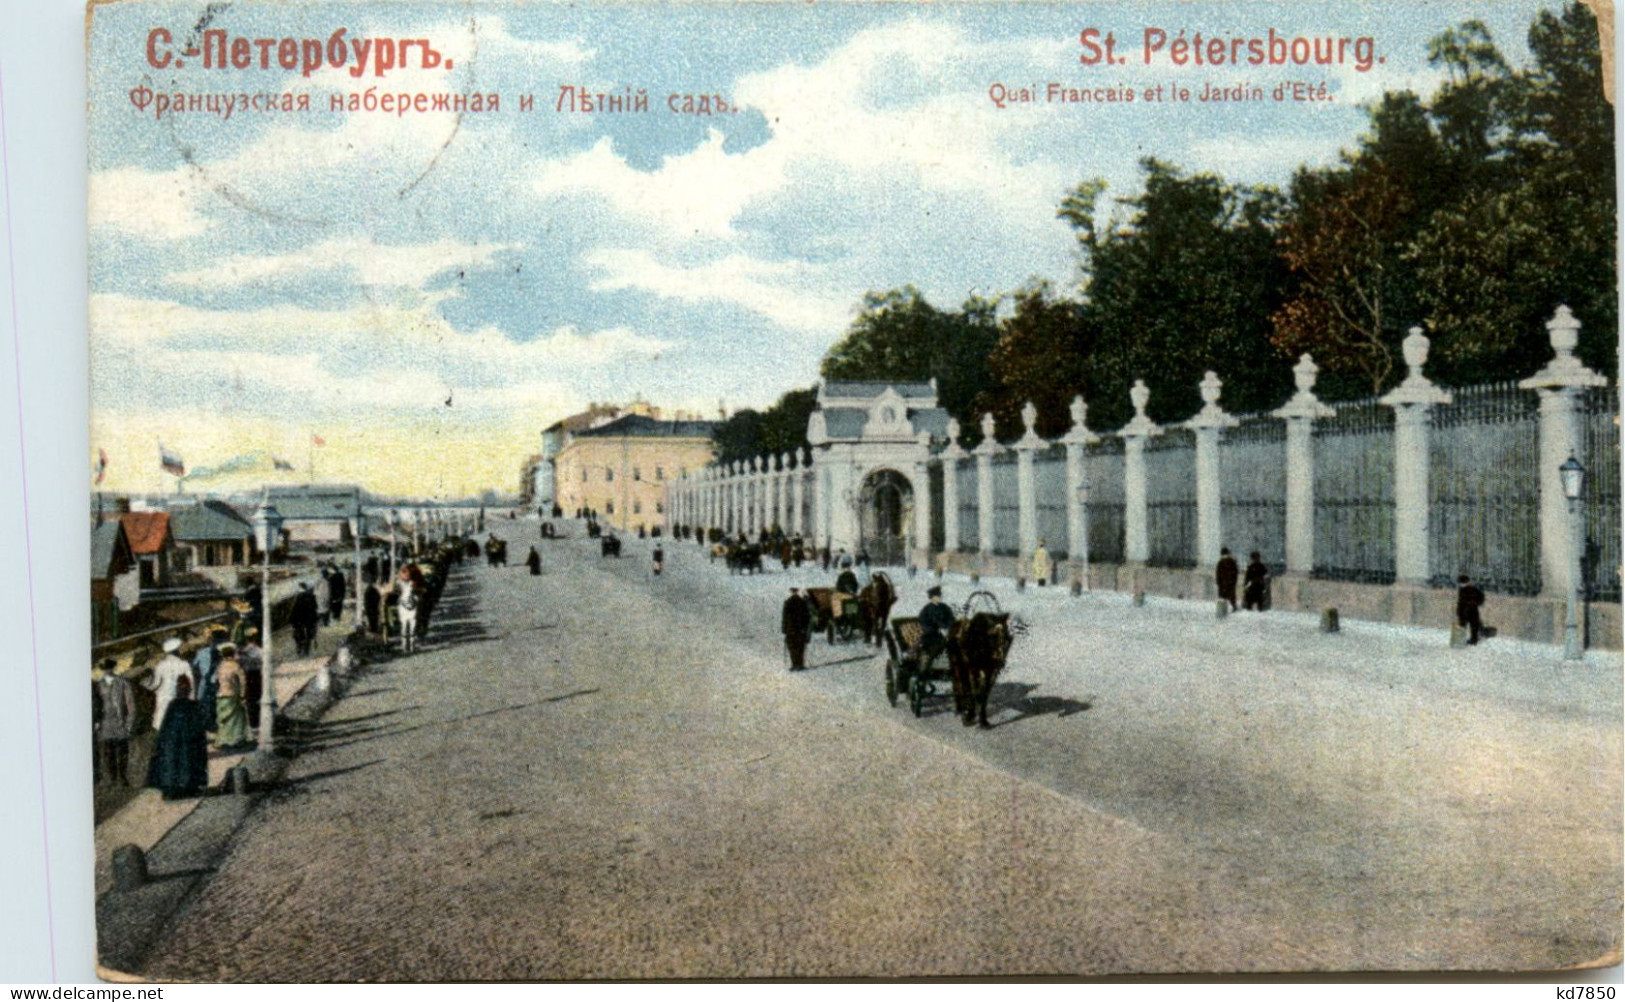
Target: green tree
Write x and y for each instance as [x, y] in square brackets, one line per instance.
[899, 336]
[1041, 356]
[778, 429]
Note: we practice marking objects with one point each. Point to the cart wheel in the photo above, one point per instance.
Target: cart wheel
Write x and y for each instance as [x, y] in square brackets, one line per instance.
[916, 693]
[891, 682]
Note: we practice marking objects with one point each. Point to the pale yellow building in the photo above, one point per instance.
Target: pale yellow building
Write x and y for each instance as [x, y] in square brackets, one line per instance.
[620, 469]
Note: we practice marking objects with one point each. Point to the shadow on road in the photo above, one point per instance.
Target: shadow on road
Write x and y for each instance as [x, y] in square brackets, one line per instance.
[1018, 696]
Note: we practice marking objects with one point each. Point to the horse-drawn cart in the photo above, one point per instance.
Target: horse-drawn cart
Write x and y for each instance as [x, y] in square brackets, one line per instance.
[837, 615]
[609, 546]
[908, 673]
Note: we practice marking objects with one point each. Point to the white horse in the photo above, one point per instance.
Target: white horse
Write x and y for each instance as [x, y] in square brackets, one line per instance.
[408, 611]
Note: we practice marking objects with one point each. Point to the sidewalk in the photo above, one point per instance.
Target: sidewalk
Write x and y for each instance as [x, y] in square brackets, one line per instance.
[147, 817]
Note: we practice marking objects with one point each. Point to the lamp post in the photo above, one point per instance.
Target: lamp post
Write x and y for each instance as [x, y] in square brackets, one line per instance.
[1573, 476]
[267, 533]
[360, 528]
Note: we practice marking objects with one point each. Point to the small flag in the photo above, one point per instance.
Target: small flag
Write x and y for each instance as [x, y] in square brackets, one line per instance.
[101, 464]
[280, 463]
[171, 461]
[316, 439]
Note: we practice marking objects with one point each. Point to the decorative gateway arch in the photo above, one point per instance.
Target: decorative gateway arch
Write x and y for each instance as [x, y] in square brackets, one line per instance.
[871, 443]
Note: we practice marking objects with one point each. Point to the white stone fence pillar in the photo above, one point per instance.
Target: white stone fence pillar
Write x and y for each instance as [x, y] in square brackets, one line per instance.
[1136, 540]
[1209, 423]
[1300, 414]
[985, 452]
[1413, 401]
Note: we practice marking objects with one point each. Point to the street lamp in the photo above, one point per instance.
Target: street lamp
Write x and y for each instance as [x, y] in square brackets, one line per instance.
[267, 533]
[1573, 476]
[359, 528]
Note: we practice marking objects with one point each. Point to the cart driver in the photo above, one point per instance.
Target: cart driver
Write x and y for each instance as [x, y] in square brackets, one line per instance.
[935, 619]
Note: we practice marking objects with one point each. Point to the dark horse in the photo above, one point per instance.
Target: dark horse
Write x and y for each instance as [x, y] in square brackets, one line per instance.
[977, 647]
[876, 600]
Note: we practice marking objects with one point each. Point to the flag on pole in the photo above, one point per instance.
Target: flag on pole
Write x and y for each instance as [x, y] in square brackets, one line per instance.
[316, 439]
[101, 465]
[280, 463]
[171, 461]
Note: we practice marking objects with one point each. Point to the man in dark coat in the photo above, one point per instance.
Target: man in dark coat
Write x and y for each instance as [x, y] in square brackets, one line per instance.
[534, 562]
[1225, 576]
[935, 620]
[1258, 584]
[303, 618]
[846, 582]
[335, 593]
[1469, 599]
[796, 624]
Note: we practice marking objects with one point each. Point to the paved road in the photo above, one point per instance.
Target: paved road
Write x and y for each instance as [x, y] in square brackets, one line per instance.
[596, 775]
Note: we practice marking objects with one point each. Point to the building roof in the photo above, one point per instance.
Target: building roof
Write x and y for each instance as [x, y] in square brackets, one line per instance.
[849, 422]
[209, 520]
[638, 426]
[104, 548]
[870, 389]
[315, 503]
[146, 531]
[576, 423]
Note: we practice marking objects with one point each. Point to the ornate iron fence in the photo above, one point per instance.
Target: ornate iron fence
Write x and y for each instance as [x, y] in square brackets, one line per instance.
[1354, 493]
[1170, 494]
[966, 475]
[1484, 489]
[1600, 428]
[1103, 469]
[1006, 505]
[1049, 476]
[1252, 489]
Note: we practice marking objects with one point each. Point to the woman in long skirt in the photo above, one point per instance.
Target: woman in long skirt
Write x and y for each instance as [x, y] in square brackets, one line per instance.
[180, 759]
[231, 716]
[534, 562]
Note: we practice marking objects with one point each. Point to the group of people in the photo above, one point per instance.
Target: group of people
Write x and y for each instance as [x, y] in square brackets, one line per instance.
[316, 605]
[1256, 591]
[217, 693]
[797, 615]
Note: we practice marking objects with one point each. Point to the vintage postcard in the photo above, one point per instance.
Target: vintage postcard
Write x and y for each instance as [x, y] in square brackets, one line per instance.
[780, 490]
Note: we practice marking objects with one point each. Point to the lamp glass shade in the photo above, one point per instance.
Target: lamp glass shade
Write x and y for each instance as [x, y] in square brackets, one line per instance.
[267, 527]
[1574, 476]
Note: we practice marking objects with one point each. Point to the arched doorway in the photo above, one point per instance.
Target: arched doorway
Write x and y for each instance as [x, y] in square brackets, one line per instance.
[886, 511]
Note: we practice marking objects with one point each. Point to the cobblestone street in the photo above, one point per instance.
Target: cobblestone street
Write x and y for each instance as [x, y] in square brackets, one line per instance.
[598, 774]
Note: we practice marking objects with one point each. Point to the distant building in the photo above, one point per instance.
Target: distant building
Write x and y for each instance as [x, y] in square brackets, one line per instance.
[528, 480]
[152, 544]
[115, 581]
[620, 468]
[318, 515]
[211, 534]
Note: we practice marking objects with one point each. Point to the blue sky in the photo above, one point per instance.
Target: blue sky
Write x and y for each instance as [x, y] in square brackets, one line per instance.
[257, 278]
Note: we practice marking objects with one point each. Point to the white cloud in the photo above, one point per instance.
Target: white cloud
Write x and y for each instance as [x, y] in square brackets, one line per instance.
[371, 263]
[792, 294]
[153, 205]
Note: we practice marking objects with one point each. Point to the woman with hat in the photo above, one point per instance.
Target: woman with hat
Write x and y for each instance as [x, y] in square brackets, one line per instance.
[230, 715]
[163, 681]
[180, 758]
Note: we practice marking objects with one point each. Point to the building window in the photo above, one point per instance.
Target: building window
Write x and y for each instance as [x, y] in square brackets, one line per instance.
[583, 474]
[609, 474]
[660, 508]
[637, 473]
[637, 507]
[609, 507]
[660, 473]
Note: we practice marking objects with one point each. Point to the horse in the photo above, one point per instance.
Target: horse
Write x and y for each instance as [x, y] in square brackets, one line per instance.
[977, 648]
[876, 600]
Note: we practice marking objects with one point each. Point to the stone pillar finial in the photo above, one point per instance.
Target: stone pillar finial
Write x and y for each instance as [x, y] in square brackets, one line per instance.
[1564, 331]
[987, 426]
[1305, 373]
[953, 432]
[1211, 387]
[1080, 412]
[1029, 416]
[1415, 348]
[1140, 395]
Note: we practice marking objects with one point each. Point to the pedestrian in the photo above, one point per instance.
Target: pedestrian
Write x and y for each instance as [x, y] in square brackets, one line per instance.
[165, 679]
[1041, 565]
[823, 554]
[534, 562]
[1256, 594]
[408, 608]
[302, 619]
[205, 669]
[659, 560]
[252, 658]
[117, 721]
[1225, 575]
[335, 592]
[256, 603]
[95, 729]
[1469, 600]
[180, 756]
[323, 596]
[371, 606]
[795, 622]
[230, 714]
[240, 625]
